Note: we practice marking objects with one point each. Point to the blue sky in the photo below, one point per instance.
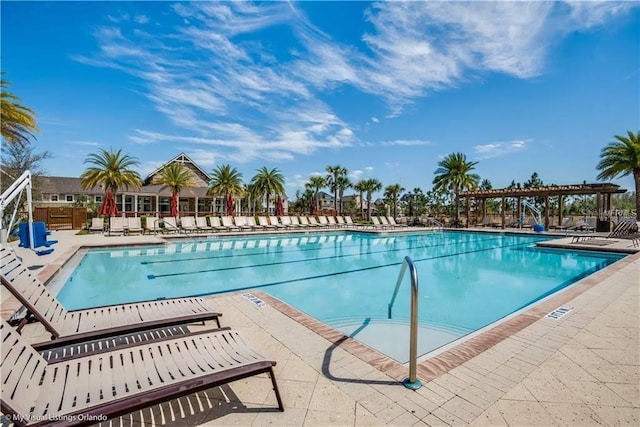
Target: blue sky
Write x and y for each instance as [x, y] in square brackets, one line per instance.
[383, 89]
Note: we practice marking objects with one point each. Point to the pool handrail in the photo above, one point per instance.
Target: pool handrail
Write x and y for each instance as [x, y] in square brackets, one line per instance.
[412, 382]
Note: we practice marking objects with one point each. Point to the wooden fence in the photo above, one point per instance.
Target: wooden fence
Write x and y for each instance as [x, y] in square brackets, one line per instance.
[61, 218]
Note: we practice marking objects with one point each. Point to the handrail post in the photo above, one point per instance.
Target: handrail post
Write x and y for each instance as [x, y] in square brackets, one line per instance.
[412, 381]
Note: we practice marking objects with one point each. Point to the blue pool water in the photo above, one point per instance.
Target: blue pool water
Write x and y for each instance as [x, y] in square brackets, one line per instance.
[467, 280]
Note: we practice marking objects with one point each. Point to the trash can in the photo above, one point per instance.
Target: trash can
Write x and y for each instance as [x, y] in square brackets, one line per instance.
[603, 225]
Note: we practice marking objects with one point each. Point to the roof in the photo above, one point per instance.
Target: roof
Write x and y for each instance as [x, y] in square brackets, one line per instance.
[180, 158]
[66, 185]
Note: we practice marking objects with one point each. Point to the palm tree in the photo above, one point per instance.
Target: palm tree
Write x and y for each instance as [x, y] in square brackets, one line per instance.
[112, 169]
[621, 158]
[334, 173]
[360, 188]
[393, 192]
[342, 183]
[17, 122]
[316, 183]
[268, 182]
[175, 177]
[226, 181]
[454, 174]
[370, 185]
[253, 194]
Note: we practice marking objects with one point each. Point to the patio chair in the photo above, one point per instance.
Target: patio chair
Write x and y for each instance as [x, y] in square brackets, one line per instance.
[227, 221]
[274, 221]
[251, 222]
[340, 220]
[121, 380]
[201, 224]
[241, 223]
[383, 220]
[216, 224]
[314, 223]
[262, 220]
[323, 221]
[350, 223]
[79, 325]
[152, 224]
[134, 225]
[393, 223]
[304, 221]
[170, 224]
[116, 225]
[97, 224]
[296, 223]
[332, 222]
[286, 221]
[188, 224]
[377, 224]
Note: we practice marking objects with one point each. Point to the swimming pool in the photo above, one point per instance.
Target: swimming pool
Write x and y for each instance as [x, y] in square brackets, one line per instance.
[467, 280]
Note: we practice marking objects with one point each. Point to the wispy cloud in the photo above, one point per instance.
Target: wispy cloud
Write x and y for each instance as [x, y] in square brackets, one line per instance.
[496, 149]
[244, 99]
[86, 143]
[406, 142]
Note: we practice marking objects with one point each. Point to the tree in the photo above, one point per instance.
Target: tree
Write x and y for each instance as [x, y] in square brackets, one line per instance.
[316, 183]
[302, 202]
[392, 192]
[454, 174]
[254, 194]
[17, 122]
[334, 173]
[370, 186]
[342, 183]
[360, 188]
[226, 181]
[175, 177]
[268, 182]
[112, 169]
[621, 158]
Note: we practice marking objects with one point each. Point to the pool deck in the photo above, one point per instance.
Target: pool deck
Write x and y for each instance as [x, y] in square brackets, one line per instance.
[582, 368]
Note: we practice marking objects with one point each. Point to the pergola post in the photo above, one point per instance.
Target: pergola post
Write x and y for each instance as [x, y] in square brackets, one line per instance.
[468, 210]
[519, 209]
[504, 207]
[546, 212]
[560, 210]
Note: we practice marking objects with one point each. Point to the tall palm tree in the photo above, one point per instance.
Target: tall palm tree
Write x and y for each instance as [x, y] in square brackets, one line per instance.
[342, 183]
[334, 174]
[621, 158]
[360, 188]
[175, 177]
[225, 181]
[268, 182]
[454, 174]
[17, 122]
[112, 169]
[316, 183]
[393, 192]
[370, 185]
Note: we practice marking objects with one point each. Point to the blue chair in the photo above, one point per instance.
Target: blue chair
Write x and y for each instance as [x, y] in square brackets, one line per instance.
[40, 234]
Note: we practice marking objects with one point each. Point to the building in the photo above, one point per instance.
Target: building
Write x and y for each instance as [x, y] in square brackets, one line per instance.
[149, 199]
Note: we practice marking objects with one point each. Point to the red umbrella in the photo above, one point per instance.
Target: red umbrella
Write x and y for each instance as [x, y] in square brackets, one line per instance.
[279, 207]
[230, 205]
[174, 205]
[108, 206]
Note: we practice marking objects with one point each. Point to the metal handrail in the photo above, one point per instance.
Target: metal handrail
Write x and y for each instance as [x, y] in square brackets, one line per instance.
[412, 381]
[435, 222]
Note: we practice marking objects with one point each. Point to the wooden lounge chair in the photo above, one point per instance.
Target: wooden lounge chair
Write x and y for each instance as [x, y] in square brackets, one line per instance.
[97, 224]
[37, 392]
[79, 325]
[201, 224]
[134, 225]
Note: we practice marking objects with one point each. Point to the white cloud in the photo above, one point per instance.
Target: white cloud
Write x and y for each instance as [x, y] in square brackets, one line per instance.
[392, 165]
[141, 19]
[355, 175]
[375, 120]
[86, 143]
[406, 142]
[369, 169]
[495, 149]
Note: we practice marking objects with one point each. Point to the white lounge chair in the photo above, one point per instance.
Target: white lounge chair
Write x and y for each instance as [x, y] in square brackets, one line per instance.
[251, 222]
[262, 220]
[97, 224]
[393, 223]
[216, 224]
[227, 221]
[304, 221]
[377, 223]
[170, 224]
[201, 224]
[332, 222]
[241, 223]
[286, 221]
[152, 224]
[188, 224]
[134, 225]
[116, 225]
[274, 221]
[296, 223]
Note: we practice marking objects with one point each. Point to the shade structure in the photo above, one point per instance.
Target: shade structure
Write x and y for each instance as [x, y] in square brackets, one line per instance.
[279, 207]
[108, 206]
[410, 213]
[174, 205]
[230, 205]
[313, 209]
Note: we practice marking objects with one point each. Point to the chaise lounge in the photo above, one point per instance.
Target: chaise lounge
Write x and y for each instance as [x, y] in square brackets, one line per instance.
[90, 388]
[79, 325]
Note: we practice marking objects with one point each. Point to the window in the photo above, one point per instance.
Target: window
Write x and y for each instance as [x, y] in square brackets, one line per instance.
[69, 197]
[54, 198]
[98, 199]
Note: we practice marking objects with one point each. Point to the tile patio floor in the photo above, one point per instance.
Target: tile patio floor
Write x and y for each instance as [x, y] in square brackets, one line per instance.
[581, 369]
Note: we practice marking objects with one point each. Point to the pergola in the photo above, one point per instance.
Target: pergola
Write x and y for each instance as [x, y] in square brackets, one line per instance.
[603, 192]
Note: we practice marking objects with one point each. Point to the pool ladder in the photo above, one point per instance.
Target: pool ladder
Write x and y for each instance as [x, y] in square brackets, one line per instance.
[412, 382]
